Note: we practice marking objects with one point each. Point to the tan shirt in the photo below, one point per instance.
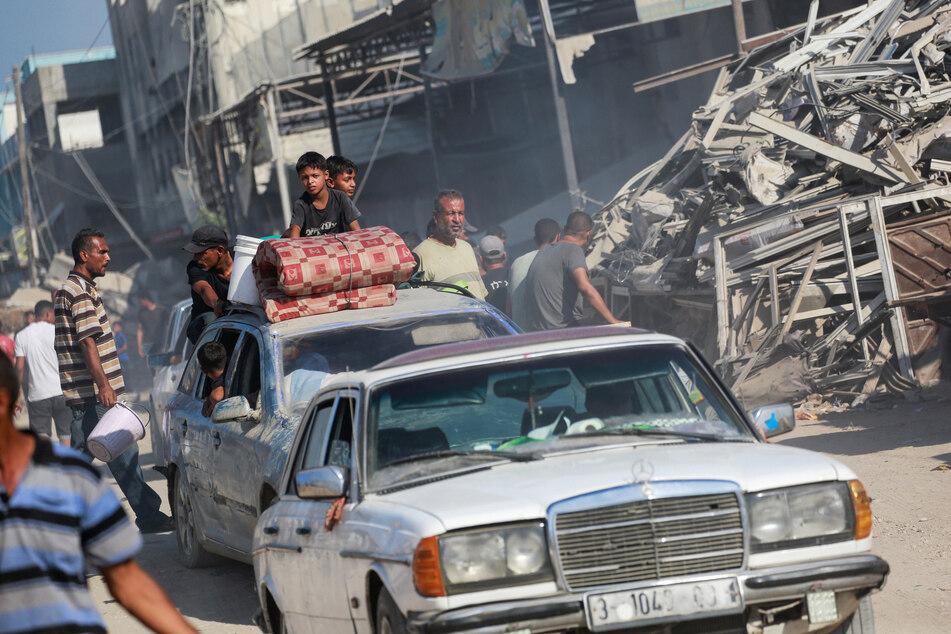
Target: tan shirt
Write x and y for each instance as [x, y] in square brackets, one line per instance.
[450, 265]
[80, 314]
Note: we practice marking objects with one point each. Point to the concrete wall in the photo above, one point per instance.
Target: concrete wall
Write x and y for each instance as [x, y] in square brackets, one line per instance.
[55, 90]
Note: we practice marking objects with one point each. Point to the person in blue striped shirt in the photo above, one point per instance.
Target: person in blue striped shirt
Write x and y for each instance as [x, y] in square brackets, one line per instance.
[56, 516]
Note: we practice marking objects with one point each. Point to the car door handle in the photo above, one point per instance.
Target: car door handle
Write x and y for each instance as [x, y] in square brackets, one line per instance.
[217, 440]
[271, 530]
[184, 428]
[303, 530]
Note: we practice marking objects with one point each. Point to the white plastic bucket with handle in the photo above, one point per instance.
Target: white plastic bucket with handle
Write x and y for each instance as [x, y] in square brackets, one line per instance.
[119, 428]
[243, 288]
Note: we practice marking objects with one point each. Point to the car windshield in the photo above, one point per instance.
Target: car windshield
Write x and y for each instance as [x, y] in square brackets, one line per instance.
[309, 357]
[447, 421]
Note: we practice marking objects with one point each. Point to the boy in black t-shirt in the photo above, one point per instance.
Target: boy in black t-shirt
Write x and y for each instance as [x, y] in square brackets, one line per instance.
[342, 174]
[212, 361]
[320, 210]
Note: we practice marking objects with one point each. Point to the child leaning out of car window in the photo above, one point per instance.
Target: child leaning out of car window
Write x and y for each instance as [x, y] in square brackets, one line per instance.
[212, 360]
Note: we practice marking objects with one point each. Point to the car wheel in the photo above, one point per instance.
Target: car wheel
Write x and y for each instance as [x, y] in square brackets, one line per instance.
[861, 621]
[389, 620]
[187, 536]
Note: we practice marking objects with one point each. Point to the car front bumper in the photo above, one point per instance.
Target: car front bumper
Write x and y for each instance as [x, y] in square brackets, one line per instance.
[566, 611]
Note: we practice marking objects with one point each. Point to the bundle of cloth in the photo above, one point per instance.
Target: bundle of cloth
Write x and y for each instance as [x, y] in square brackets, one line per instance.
[297, 277]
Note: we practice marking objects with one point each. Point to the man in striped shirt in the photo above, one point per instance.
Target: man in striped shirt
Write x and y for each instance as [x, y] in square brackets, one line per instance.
[90, 374]
[56, 515]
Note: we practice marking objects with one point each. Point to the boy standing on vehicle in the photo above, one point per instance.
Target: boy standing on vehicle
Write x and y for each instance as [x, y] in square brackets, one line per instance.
[342, 174]
[320, 210]
[212, 361]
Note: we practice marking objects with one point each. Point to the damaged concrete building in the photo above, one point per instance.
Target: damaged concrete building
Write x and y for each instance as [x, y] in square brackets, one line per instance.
[800, 229]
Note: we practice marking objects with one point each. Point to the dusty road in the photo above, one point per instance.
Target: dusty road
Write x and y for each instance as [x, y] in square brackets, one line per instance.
[894, 447]
[218, 600]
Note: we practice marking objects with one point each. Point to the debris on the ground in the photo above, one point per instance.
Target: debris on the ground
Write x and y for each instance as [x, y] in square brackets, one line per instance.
[815, 180]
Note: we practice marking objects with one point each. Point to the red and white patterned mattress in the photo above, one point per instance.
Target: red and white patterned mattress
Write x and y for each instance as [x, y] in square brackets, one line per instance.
[298, 277]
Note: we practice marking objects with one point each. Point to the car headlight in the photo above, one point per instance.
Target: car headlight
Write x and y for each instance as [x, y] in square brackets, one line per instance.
[481, 560]
[801, 516]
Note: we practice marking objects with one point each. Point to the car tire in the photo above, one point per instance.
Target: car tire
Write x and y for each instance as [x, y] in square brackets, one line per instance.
[861, 621]
[186, 535]
[389, 619]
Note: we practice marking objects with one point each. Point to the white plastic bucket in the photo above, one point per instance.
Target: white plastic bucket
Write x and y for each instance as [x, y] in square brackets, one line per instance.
[243, 289]
[118, 429]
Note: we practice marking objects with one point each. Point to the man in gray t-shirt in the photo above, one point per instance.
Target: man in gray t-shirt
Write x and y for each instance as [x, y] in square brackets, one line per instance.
[558, 280]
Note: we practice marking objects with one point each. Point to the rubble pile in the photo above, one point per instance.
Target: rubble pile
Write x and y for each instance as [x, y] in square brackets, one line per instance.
[815, 180]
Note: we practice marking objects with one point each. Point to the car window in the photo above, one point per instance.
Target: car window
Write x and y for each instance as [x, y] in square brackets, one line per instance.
[244, 370]
[309, 357]
[190, 376]
[341, 435]
[311, 453]
[228, 337]
[458, 418]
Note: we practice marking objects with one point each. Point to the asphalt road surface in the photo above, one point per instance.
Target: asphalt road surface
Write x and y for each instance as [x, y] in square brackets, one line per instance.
[897, 447]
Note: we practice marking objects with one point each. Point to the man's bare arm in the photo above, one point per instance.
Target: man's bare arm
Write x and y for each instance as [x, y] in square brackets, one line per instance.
[215, 397]
[354, 225]
[292, 232]
[591, 294]
[20, 365]
[138, 593]
[138, 338]
[107, 396]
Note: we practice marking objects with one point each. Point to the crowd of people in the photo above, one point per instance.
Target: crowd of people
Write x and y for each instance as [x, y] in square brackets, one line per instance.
[541, 290]
[57, 514]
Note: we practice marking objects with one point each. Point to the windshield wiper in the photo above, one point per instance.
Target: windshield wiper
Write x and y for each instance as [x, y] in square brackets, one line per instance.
[641, 431]
[448, 453]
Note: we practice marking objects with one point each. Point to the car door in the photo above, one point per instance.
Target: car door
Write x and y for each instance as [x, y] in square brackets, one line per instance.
[305, 549]
[165, 382]
[197, 435]
[241, 447]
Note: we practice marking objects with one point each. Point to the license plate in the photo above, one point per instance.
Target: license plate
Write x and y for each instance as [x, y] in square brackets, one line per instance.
[617, 609]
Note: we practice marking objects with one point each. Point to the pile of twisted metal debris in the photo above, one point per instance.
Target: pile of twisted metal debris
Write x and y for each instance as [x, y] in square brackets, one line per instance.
[809, 200]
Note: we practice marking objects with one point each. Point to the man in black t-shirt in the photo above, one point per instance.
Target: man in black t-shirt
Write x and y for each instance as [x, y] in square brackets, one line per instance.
[209, 275]
[320, 210]
[152, 321]
[496, 278]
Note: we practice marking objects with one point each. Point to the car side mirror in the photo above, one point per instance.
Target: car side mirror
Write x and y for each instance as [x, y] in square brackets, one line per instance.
[773, 420]
[232, 409]
[322, 482]
[160, 359]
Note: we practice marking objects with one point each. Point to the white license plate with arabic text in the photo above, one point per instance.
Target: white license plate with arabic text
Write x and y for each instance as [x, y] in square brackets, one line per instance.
[616, 609]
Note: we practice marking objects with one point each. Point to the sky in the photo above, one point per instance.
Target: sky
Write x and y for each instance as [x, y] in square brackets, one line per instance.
[49, 26]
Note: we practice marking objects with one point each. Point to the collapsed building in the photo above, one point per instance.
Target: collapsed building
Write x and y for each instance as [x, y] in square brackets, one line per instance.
[799, 232]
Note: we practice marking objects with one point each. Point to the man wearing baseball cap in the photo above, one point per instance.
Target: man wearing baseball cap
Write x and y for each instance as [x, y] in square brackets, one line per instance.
[209, 275]
[495, 279]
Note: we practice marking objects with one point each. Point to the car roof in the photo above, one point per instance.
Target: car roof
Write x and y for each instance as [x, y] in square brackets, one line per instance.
[409, 302]
[503, 343]
[497, 349]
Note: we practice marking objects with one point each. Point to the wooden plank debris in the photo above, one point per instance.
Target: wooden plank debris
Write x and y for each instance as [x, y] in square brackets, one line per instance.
[840, 128]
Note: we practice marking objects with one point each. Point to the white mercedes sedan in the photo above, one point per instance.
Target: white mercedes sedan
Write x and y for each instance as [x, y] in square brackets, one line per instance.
[584, 480]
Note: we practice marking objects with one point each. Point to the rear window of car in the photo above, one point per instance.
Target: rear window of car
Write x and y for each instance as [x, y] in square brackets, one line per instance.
[309, 357]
